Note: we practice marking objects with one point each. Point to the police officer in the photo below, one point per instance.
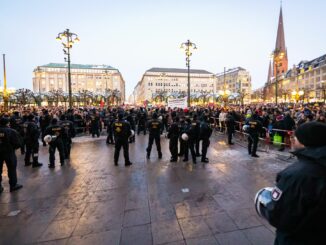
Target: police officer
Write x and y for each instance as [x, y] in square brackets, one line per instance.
[205, 134]
[95, 124]
[16, 123]
[9, 142]
[230, 126]
[109, 129]
[173, 135]
[131, 121]
[190, 130]
[254, 130]
[296, 205]
[195, 124]
[68, 135]
[56, 130]
[142, 119]
[122, 132]
[182, 126]
[31, 136]
[45, 121]
[154, 127]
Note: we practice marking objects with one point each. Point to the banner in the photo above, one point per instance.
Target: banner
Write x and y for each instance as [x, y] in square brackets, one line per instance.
[177, 103]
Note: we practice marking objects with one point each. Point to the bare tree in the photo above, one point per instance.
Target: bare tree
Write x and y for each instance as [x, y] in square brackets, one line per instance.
[23, 96]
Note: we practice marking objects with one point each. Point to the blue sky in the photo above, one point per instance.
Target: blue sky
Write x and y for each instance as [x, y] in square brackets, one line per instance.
[134, 36]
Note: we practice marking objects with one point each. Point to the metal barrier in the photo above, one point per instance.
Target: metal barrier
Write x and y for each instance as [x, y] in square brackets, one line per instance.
[266, 138]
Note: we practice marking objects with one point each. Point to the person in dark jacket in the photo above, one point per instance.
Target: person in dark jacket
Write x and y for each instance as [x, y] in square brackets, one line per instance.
[190, 130]
[298, 201]
[95, 124]
[205, 134]
[154, 127]
[173, 136]
[131, 121]
[9, 142]
[16, 123]
[255, 128]
[31, 136]
[68, 135]
[44, 121]
[109, 129]
[122, 132]
[56, 130]
[230, 126]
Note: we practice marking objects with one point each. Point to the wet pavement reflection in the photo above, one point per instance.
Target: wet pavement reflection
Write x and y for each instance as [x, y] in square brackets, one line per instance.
[90, 201]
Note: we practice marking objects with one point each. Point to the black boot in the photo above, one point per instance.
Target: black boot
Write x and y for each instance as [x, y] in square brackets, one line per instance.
[15, 187]
[36, 164]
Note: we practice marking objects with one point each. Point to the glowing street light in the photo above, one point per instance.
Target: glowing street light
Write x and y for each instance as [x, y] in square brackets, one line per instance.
[188, 47]
[67, 39]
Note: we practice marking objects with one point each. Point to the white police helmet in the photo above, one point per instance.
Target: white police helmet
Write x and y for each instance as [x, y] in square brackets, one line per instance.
[132, 133]
[48, 138]
[184, 137]
[245, 128]
[263, 200]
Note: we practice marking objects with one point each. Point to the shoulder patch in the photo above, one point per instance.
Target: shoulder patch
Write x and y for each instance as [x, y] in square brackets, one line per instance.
[276, 194]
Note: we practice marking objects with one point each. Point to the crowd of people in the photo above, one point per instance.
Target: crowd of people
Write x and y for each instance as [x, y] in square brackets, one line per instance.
[295, 206]
[186, 129]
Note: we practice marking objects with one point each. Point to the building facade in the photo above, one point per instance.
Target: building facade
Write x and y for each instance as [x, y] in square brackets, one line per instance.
[305, 82]
[94, 78]
[172, 81]
[235, 82]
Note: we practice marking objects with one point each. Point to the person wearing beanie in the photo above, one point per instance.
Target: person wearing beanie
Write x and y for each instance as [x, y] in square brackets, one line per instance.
[299, 198]
[9, 142]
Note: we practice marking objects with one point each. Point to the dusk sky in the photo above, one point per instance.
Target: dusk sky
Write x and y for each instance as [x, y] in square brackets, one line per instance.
[135, 36]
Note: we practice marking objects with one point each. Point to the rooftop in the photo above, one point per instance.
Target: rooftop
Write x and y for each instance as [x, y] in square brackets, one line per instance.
[236, 69]
[177, 70]
[78, 66]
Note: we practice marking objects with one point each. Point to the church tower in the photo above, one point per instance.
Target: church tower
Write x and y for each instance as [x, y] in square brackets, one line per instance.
[280, 56]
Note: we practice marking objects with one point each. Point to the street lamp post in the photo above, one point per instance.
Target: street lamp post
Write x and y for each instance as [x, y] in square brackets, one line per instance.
[68, 39]
[5, 94]
[188, 47]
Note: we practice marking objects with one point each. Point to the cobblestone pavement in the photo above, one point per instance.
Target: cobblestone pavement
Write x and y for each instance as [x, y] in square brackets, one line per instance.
[90, 201]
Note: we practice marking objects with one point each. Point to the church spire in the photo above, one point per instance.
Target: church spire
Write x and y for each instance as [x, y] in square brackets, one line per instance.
[280, 39]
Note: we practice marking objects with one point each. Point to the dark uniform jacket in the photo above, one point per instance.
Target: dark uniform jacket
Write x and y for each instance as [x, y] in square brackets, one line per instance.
[205, 130]
[255, 126]
[56, 130]
[230, 123]
[298, 210]
[69, 129]
[9, 140]
[31, 133]
[154, 127]
[174, 130]
[121, 130]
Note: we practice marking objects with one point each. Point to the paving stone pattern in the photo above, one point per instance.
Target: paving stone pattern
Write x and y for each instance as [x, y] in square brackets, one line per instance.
[90, 201]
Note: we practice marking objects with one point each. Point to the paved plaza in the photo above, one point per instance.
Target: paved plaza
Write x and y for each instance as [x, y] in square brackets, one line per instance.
[90, 201]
